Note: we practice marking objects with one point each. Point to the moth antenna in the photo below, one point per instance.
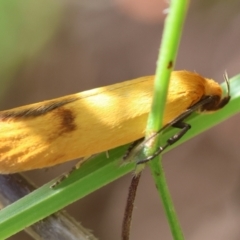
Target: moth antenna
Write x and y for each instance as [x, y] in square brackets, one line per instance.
[226, 79]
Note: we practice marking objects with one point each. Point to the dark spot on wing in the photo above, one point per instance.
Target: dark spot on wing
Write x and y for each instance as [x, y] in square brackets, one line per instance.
[35, 111]
[67, 118]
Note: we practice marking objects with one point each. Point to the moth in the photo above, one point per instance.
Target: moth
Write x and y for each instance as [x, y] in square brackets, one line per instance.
[51, 132]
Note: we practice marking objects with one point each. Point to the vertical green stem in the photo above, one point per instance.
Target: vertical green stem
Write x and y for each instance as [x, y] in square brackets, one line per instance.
[166, 60]
[168, 51]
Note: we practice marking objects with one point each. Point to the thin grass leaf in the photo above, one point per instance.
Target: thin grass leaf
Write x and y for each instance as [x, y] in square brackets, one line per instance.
[167, 55]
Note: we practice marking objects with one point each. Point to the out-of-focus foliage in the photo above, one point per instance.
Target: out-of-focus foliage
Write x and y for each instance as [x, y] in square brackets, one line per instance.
[25, 27]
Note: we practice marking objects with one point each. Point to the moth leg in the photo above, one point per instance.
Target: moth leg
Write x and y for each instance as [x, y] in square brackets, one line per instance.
[131, 147]
[184, 128]
[65, 175]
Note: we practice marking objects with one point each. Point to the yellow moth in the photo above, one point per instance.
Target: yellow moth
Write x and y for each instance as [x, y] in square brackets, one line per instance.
[55, 131]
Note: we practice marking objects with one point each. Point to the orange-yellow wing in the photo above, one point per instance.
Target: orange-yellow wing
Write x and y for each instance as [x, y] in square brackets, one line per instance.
[51, 132]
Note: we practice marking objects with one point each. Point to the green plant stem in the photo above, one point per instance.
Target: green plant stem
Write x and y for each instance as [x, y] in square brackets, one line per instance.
[165, 63]
[168, 51]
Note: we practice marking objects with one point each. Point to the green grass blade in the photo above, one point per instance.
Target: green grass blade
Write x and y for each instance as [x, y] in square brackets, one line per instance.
[168, 51]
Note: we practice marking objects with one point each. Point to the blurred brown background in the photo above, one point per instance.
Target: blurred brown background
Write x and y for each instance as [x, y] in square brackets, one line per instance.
[96, 43]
